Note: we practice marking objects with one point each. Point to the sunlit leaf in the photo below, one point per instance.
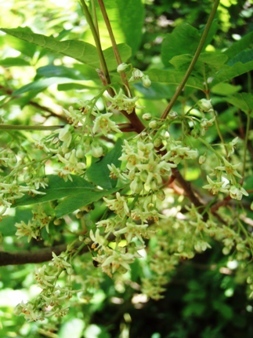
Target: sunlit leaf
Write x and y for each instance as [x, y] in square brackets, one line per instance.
[183, 40]
[78, 50]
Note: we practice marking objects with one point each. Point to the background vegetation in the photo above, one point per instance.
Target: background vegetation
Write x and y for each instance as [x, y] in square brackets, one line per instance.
[208, 291]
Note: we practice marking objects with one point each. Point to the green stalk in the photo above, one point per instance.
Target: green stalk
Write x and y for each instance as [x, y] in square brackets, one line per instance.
[194, 60]
[246, 140]
[114, 45]
[97, 41]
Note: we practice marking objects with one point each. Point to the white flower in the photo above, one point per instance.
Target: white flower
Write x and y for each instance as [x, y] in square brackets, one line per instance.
[205, 105]
[103, 124]
[237, 192]
[121, 102]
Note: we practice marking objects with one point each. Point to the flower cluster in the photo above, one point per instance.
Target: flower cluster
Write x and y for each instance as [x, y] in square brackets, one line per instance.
[226, 174]
[145, 169]
[33, 228]
[50, 301]
[136, 75]
[121, 102]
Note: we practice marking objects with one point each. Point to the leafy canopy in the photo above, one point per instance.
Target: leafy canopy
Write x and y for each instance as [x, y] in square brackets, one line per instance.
[126, 161]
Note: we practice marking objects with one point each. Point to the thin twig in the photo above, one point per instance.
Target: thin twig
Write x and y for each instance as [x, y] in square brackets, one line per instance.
[193, 62]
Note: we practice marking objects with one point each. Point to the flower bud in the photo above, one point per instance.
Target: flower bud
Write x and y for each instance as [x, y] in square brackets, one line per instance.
[146, 81]
[205, 105]
[122, 67]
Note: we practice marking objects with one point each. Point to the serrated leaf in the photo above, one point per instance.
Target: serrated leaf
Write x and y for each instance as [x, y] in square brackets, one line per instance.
[57, 188]
[183, 40]
[244, 43]
[243, 101]
[78, 50]
[227, 73]
[174, 77]
[243, 57]
[81, 51]
[99, 172]
[225, 89]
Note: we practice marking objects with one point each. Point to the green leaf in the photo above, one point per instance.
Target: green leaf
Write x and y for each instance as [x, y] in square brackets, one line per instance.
[156, 91]
[57, 188]
[59, 71]
[215, 59]
[38, 86]
[99, 173]
[14, 62]
[227, 73]
[243, 101]
[225, 89]
[237, 47]
[81, 51]
[172, 76]
[126, 19]
[70, 86]
[183, 40]
[78, 50]
[243, 57]
[79, 200]
[26, 48]
[125, 53]
[207, 62]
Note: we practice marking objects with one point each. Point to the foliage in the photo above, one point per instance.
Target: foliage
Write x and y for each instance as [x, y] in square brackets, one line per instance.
[126, 168]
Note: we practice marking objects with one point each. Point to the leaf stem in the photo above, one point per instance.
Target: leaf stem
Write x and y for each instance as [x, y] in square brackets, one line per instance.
[114, 45]
[194, 60]
[246, 140]
[97, 42]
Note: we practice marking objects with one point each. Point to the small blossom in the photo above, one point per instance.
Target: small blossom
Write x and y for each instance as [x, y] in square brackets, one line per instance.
[119, 205]
[121, 102]
[237, 192]
[215, 187]
[122, 67]
[146, 81]
[205, 105]
[103, 124]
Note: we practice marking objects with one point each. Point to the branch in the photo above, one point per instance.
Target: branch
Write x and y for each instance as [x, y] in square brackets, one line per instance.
[22, 127]
[9, 92]
[193, 62]
[25, 257]
[187, 188]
